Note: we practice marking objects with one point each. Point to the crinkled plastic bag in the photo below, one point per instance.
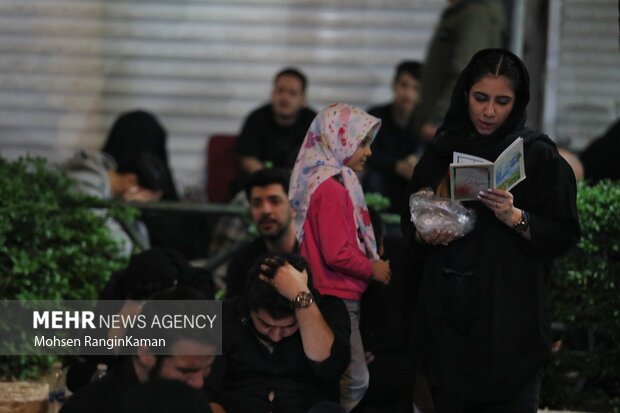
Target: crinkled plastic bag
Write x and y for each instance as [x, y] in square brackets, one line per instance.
[430, 213]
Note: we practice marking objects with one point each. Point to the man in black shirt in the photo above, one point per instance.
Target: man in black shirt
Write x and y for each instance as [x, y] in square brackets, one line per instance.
[395, 149]
[284, 345]
[271, 212]
[188, 360]
[273, 133]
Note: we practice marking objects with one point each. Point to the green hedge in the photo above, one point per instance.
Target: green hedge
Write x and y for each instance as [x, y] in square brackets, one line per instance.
[585, 372]
[52, 246]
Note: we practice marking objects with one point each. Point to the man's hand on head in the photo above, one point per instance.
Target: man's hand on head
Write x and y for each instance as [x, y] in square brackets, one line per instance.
[286, 279]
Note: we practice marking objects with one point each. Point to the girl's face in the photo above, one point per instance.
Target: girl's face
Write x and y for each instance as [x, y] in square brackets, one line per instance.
[490, 102]
[360, 156]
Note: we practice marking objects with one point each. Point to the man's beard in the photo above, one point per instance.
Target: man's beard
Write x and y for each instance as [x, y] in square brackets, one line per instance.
[275, 236]
[278, 233]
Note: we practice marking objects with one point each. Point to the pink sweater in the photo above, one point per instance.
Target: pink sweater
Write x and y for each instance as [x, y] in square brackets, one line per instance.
[339, 267]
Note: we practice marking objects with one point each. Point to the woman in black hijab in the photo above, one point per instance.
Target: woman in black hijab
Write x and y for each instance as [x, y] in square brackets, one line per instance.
[138, 134]
[482, 330]
[135, 133]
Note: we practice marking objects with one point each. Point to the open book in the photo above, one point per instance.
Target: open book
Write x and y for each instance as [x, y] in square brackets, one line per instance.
[470, 174]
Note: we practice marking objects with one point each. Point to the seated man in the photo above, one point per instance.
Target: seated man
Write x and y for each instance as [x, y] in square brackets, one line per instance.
[284, 346]
[271, 136]
[105, 395]
[267, 194]
[149, 272]
[395, 149]
[274, 132]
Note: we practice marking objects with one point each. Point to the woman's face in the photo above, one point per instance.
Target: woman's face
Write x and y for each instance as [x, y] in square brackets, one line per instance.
[490, 102]
[361, 155]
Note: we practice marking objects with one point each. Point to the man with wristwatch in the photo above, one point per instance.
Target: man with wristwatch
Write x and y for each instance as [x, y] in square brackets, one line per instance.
[284, 345]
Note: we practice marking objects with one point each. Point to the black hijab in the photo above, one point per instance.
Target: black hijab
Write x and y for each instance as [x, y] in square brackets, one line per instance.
[457, 132]
[132, 135]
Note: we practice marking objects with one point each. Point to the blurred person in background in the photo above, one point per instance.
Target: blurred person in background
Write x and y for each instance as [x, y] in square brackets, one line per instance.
[187, 357]
[272, 134]
[396, 147]
[96, 174]
[600, 157]
[139, 132]
[465, 27]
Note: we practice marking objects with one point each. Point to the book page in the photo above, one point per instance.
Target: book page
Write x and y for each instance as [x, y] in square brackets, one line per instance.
[458, 157]
[509, 166]
[466, 180]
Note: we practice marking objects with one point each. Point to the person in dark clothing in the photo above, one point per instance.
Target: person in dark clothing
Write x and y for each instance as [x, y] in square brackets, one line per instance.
[97, 175]
[482, 330]
[155, 270]
[147, 273]
[271, 212]
[105, 393]
[599, 158]
[284, 345]
[132, 135]
[274, 132]
[385, 325]
[135, 133]
[164, 396]
[188, 357]
[396, 146]
[465, 26]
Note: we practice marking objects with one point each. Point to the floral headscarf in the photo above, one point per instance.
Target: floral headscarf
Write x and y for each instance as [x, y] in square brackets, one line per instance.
[331, 141]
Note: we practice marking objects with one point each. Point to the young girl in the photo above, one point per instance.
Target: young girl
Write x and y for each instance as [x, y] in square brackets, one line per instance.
[332, 222]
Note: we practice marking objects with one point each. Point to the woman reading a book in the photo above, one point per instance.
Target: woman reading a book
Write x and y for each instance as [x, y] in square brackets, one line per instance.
[482, 333]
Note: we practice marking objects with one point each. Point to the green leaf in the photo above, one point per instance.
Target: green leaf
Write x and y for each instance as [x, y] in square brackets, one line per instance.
[52, 244]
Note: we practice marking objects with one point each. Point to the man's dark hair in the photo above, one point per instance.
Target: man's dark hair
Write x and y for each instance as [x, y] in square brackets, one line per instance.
[410, 67]
[263, 296]
[265, 177]
[151, 271]
[292, 71]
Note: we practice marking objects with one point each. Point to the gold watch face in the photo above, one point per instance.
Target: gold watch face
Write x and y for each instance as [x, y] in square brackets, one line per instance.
[304, 299]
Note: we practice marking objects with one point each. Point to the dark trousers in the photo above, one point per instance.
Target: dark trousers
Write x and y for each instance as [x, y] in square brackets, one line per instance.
[526, 401]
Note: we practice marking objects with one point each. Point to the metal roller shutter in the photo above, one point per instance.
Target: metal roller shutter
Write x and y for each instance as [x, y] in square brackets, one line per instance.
[583, 98]
[69, 67]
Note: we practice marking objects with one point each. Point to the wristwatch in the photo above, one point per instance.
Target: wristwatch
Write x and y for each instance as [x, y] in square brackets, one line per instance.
[523, 224]
[303, 300]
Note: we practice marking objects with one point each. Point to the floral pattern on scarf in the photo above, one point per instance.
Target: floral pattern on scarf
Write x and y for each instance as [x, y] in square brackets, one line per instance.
[331, 141]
